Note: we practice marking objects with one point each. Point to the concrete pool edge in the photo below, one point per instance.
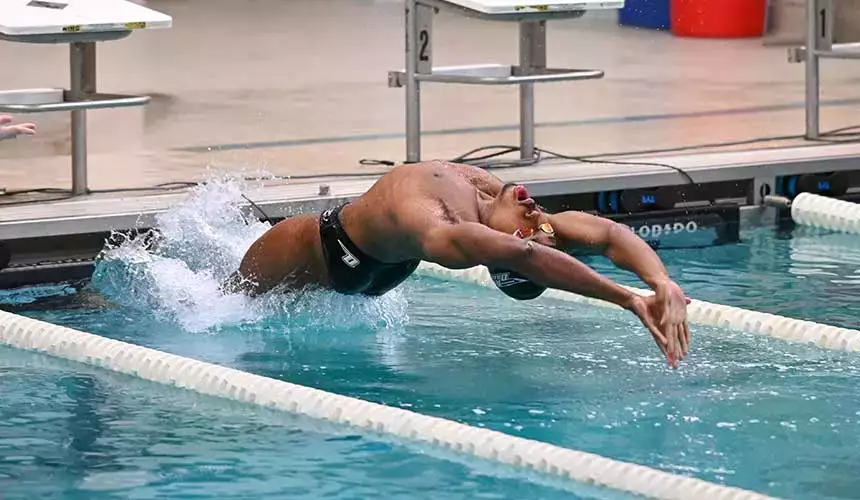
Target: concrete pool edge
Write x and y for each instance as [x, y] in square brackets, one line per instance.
[752, 168]
[148, 364]
[57, 240]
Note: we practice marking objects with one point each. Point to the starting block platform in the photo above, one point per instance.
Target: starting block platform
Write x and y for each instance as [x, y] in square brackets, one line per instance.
[23, 19]
[531, 15]
[525, 9]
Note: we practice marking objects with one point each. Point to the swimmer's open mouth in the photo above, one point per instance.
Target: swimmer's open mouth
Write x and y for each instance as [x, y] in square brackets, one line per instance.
[523, 198]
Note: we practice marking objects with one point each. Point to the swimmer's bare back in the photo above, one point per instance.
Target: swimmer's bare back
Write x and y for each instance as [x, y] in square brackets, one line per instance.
[434, 211]
[386, 222]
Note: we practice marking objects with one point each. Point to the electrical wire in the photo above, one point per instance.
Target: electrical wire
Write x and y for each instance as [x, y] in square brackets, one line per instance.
[485, 160]
[840, 132]
[66, 194]
[493, 161]
[257, 207]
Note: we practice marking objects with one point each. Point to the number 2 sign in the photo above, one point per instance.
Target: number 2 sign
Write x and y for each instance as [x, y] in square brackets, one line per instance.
[424, 45]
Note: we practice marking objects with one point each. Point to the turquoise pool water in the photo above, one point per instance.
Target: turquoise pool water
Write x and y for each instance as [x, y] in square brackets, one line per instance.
[747, 411]
[804, 274]
[75, 433]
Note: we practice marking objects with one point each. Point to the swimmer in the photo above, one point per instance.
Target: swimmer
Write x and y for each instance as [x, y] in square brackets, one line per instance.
[12, 131]
[459, 216]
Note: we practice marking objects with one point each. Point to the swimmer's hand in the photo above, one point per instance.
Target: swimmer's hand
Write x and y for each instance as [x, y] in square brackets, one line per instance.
[672, 303]
[665, 316]
[12, 131]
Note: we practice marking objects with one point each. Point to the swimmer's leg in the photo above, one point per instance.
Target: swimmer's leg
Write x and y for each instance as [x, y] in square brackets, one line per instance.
[288, 254]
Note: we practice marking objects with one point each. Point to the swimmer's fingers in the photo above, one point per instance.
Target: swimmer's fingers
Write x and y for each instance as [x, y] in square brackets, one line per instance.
[13, 131]
[661, 345]
[24, 128]
[664, 342]
[687, 333]
[648, 320]
[682, 340]
[643, 307]
[4, 119]
[673, 347]
[663, 349]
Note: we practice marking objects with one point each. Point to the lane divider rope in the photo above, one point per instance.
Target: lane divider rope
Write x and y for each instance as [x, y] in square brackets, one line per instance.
[698, 312]
[213, 380]
[826, 213]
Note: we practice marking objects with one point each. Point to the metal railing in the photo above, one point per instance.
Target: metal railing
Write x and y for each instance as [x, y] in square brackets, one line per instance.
[820, 27]
[532, 66]
[81, 95]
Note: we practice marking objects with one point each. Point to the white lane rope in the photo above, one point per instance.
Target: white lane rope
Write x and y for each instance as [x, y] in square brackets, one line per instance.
[698, 312]
[826, 213]
[213, 380]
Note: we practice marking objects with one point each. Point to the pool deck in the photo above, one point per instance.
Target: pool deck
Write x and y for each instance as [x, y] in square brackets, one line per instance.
[103, 212]
[299, 89]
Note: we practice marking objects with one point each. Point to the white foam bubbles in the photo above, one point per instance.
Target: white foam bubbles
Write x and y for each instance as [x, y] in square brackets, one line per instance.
[175, 271]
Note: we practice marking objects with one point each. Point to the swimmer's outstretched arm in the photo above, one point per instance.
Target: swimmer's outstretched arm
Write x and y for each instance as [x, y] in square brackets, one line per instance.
[469, 244]
[628, 251]
[625, 249]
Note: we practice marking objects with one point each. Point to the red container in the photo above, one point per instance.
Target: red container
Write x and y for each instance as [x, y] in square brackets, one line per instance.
[718, 18]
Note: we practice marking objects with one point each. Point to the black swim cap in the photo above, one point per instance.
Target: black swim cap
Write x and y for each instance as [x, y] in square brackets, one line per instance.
[516, 285]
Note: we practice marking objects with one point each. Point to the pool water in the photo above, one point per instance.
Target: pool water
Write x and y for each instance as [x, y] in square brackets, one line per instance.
[72, 432]
[748, 411]
[807, 274]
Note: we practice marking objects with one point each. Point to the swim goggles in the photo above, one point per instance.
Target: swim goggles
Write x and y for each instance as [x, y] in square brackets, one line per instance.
[529, 234]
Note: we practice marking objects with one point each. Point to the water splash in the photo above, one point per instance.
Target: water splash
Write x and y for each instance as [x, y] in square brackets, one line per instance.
[175, 270]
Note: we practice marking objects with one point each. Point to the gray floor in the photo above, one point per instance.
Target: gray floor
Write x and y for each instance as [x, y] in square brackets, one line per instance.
[299, 87]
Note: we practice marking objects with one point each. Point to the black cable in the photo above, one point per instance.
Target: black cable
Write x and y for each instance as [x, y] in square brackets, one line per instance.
[777, 138]
[483, 161]
[169, 186]
[34, 190]
[30, 202]
[489, 161]
[840, 131]
[611, 162]
[315, 176]
[385, 163]
[467, 156]
[257, 207]
[695, 147]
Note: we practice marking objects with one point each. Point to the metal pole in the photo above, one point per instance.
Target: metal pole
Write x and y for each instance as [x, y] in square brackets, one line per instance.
[812, 70]
[532, 56]
[413, 89]
[83, 84]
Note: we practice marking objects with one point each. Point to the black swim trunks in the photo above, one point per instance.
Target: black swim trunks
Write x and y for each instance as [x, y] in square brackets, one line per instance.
[352, 271]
